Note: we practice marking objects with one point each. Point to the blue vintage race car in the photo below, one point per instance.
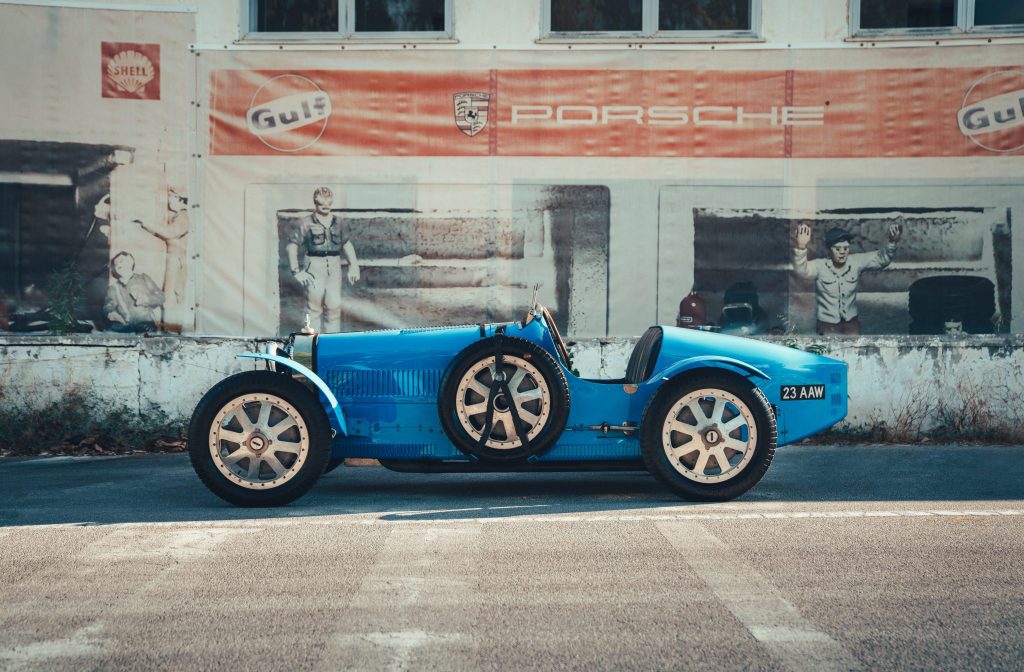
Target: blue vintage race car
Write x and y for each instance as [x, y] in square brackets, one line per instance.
[703, 412]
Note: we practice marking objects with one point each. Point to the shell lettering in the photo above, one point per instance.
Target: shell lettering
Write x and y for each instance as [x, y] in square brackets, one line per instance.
[130, 71]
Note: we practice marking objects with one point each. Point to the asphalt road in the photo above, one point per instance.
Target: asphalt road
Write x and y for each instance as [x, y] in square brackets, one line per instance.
[843, 558]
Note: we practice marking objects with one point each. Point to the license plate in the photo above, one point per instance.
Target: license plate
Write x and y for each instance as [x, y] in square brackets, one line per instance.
[802, 392]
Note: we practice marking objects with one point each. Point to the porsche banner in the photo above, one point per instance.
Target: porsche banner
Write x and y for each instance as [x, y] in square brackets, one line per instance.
[672, 187]
[919, 112]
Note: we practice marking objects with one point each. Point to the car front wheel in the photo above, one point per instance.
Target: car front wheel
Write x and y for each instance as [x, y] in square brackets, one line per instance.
[709, 439]
[259, 438]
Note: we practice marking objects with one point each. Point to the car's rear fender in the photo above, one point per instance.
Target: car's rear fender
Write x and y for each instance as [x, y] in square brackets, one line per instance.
[709, 362]
[686, 368]
[335, 417]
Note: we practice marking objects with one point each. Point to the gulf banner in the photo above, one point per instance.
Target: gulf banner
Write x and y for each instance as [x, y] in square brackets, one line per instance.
[914, 112]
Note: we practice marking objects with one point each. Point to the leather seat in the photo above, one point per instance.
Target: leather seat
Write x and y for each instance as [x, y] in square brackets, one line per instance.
[644, 356]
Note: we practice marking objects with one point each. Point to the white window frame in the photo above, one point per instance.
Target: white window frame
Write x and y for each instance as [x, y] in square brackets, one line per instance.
[649, 29]
[964, 25]
[346, 28]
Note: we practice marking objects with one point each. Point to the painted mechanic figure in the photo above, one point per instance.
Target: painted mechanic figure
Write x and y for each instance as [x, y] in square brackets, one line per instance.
[323, 239]
[173, 233]
[835, 278]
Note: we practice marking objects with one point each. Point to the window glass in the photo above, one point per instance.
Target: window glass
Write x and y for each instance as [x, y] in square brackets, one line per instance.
[401, 16]
[907, 13]
[704, 15]
[297, 16]
[570, 16]
[998, 12]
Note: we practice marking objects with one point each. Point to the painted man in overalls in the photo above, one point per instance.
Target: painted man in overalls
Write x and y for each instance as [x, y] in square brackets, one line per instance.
[323, 239]
[835, 278]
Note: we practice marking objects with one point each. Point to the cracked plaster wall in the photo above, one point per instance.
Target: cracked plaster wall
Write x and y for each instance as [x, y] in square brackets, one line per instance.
[887, 374]
[167, 373]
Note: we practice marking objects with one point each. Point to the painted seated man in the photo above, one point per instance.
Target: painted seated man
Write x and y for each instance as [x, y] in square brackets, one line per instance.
[133, 299]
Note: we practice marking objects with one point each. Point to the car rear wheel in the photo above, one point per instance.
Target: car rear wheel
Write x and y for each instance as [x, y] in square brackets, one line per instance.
[259, 438]
[709, 439]
[472, 394]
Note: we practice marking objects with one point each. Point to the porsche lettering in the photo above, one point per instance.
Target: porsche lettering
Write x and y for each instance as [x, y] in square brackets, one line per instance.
[667, 115]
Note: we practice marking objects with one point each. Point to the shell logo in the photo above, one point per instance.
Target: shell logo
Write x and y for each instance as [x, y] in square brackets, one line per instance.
[992, 112]
[131, 70]
[288, 113]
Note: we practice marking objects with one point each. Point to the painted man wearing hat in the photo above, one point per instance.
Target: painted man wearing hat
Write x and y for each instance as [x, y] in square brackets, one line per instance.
[835, 278]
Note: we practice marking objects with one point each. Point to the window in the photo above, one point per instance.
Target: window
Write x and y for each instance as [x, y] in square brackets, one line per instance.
[909, 17]
[651, 18]
[350, 18]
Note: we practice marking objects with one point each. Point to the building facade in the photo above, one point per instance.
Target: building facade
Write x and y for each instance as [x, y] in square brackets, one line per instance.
[162, 164]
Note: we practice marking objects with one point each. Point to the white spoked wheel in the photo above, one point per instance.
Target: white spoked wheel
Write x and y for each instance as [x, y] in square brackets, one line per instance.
[259, 441]
[537, 391]
[259, 438]
[529, 395]
[709, 438]
[709, 435]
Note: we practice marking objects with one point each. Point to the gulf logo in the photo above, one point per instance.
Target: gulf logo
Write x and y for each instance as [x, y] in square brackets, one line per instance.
[992, 112]
[288, 113]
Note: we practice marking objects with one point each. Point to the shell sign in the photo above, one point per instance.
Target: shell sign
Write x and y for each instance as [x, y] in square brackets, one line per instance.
[131, 70]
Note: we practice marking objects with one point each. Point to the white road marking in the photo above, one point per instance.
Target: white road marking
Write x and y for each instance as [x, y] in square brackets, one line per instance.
[125, 544]
[779, 627]
[398, 647]
[402, 573]
[83, 642]
[395, 518]
[412, 568]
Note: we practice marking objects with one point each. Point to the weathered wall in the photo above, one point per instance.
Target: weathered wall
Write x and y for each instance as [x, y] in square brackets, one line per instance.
[899, 386]
[169, 373]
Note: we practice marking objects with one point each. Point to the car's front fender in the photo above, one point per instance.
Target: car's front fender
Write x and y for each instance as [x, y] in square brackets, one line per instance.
[308, 374]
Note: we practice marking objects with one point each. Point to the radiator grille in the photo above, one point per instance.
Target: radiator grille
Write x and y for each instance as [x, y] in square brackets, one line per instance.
[390, 383]
[837, 378]
[837, 399]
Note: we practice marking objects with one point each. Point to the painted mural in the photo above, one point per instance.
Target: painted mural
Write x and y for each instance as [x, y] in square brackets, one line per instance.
[172, 190]
[851, 272]
[94, 206]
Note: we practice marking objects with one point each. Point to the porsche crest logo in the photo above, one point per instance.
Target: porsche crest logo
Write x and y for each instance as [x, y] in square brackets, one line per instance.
[471, 112]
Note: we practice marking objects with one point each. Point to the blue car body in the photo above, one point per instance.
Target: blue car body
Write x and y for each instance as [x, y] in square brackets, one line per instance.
[380, 389]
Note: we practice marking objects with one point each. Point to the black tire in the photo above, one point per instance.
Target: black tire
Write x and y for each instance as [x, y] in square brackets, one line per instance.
[685, 473]
[333, 464]
[304, 460]
[550, 407]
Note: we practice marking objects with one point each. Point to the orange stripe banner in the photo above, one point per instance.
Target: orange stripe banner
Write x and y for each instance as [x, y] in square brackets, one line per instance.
[611, 113]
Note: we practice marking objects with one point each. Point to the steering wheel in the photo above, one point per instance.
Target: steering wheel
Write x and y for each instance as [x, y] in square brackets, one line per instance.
[556, 336]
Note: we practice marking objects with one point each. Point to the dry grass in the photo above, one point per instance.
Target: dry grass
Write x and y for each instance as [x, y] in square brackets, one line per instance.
[81, 425]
